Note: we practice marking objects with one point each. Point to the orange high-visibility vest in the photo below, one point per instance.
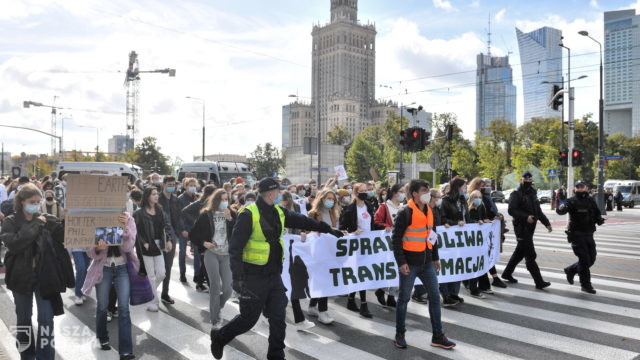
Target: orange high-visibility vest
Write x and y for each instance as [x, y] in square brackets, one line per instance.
[415, 237]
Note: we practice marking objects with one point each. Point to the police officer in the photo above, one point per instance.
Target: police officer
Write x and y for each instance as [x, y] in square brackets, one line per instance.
[256, 254]
[524, 208]
[583, 217]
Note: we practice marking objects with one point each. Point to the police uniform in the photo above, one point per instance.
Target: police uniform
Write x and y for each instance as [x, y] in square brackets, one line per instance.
[584, 214]
[256, 255]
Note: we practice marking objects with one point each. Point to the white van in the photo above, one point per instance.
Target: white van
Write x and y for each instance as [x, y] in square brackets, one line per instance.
[630, 190]
[134, 172]
[217, 171]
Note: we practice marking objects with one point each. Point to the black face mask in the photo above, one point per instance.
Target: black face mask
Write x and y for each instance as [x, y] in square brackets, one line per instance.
[363, 196]
[582, 194]
[49, 199]
[526, 185]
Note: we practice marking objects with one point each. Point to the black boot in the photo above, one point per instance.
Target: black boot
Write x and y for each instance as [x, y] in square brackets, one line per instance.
[570, 276]
[351, 305]
[380, 296]
[364, 311]
[498, 283]
[391, 301]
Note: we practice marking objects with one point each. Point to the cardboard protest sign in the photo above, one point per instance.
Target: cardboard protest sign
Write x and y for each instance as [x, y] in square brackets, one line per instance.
[341, 172]
[84, 230]
[94, 204]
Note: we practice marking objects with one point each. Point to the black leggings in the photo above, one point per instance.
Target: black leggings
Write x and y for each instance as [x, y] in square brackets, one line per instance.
[363, 296]
[322, 303]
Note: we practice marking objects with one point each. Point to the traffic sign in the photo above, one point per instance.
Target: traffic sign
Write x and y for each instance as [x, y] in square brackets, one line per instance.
[613, 157]
[552, 173]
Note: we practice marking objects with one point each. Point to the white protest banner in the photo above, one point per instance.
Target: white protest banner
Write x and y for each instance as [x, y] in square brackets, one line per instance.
[327, 266]
[302, 202]
[341, 172]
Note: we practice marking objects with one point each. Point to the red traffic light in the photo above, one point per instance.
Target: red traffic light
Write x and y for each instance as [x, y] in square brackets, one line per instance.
[576, 153]
[416, 133]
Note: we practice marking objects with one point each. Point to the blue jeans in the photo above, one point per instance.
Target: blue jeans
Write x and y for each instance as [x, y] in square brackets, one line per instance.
[119, 276]
[427, 275]
[42, 347]
[81, 261]
[452, 288]
[182, 257]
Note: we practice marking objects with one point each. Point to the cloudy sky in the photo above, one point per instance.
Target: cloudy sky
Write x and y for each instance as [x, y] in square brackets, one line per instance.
[244, 57]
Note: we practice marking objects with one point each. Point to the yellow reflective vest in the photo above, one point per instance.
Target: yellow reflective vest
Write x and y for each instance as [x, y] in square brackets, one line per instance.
[257, 249]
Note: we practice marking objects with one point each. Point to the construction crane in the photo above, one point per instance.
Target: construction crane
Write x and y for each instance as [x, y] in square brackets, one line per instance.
[132, 83]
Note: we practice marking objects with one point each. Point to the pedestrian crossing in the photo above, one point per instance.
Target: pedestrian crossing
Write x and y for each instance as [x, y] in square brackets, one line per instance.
[519, 322]
[616, 241]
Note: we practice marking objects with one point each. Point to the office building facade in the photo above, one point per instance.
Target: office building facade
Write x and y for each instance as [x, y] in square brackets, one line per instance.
[495, 92]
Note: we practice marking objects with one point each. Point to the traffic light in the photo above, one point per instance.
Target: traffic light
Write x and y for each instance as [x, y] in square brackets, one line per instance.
[564, 157]
[413, 139]
[557, 102]
[405, 139]
[576, 157]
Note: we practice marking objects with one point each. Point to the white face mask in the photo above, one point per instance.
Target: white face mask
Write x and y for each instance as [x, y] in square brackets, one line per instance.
[401, 197]
[425, 198]
[439, 202]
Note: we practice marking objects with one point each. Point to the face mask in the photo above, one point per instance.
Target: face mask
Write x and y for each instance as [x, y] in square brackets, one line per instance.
[401, 196]
[157, 183]
[439, 202]
[425, 198]
[371, 194]
[363, 196]
[383, 197]
[477, 202]
[345, 200]
[49, 199]
[278, 199]
[170, 189]
[328, 204]
[463, 191]
[301, 193]
[224, 205]
[582, 194]
[32, 208]
[487, 190]
[314, 192]
[350, 191]
[192, 189]
[526, 185]
[247, 203]
[235, 197]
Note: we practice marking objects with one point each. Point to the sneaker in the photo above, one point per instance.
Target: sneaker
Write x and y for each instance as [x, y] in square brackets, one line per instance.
[127, 357]
[419, 298]
[477, 295]
[486, 291]
[114, 313]
[84, 298]
[391, 301]
[364, 311]
[152, 308]
[216, 347]
[457, 298]
[325, 318]
[380, 296]
[588, 289]
[313, 311]
[109, 316]
[78, 300]
[201, 288]
[543, 285]
[449, 302]
[510, 278]
[442, 342]
[183, 279]
[570, 276]
[105, 346]
[304, 325]
[498, 283]
[167, 299]
[399, 341]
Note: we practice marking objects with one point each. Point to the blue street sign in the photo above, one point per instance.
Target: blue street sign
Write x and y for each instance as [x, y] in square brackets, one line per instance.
[613, 157]
[552, 173]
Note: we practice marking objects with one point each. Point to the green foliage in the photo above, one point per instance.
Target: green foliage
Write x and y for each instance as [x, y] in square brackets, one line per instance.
[366, 152]
[149, 157]
[339, 135]
[266, 160]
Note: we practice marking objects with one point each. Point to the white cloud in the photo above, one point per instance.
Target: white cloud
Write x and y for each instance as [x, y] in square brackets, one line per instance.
[443, 4]
[500, 15]
[475, 4]
[594, 4]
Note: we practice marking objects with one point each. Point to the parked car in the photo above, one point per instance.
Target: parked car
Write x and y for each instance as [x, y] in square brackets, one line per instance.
[497, 196]
[507, 193]
[544, 196]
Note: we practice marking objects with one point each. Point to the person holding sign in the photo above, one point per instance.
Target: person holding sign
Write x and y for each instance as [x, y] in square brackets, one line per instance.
[256, 252]
[109, 269]
[154, 237]
[417, 258]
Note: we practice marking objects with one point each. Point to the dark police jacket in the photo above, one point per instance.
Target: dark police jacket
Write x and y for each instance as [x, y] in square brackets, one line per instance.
[272, 229]
[583, 214]
[522, 204]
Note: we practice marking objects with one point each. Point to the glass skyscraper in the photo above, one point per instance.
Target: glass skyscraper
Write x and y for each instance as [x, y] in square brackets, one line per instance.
[621, 72]
[495, 92]
[541, 63]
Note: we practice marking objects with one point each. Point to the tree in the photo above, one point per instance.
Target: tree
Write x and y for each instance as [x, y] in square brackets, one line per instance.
[339, 135]
[365, 152]
[149, 157]
[266, 160]
[464, 161]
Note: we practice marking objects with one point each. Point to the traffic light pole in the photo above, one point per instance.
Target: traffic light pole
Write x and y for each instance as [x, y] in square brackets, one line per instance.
[570, 180]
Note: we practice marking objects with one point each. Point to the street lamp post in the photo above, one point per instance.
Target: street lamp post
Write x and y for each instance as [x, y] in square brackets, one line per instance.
[203, 122]
[600, 133]
[571, 125]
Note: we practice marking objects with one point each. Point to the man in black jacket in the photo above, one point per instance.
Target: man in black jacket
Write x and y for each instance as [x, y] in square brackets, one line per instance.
[187, 197]
[257, 268]
[171, 209]
[584, 214]
[524, 207]
[416, 257]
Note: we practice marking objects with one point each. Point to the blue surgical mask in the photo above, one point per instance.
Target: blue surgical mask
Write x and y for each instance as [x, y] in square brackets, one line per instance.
[350, 191]
[328, 204]
[32, 208]
[278, 199]
[170, 189]
[224, 205]
[192, 189]
[247, 203]
[371, 194]
[477, 202]
[401, 197]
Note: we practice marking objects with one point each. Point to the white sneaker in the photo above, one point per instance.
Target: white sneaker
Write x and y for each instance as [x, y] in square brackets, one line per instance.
[313, 311]
[217, 325]
[152, 308]
[304, 325]
[325, 318]
[109, 316]
[78, 300]
[488, 291]
[84, 298]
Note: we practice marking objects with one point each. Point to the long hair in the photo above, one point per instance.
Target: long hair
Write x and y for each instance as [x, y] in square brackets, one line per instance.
[145, 198]
[474, 184]
[213, 203]
[318, 206]
[470, 199]
[455, 184]
[26, 191]
[286, 196]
